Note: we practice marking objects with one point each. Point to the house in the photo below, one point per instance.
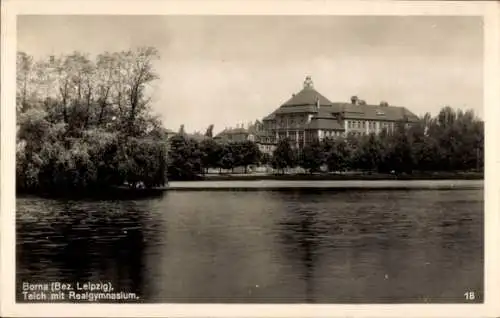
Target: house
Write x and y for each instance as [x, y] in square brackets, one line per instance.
[237, 134]
[255, 132]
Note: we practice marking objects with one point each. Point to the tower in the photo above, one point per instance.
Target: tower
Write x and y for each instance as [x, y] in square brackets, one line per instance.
[308, 83]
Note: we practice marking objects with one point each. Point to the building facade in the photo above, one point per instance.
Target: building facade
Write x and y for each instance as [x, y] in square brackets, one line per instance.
[308, 115]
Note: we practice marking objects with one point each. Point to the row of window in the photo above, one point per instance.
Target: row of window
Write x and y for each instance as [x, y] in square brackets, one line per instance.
[361, 124]
[291, 121]
[313, 134]
[333, 133]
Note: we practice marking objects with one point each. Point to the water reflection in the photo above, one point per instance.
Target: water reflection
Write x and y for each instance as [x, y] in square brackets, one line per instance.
[79, 241]
[267, 246]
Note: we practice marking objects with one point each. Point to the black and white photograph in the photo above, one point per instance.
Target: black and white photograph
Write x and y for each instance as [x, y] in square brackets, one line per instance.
[263, 159]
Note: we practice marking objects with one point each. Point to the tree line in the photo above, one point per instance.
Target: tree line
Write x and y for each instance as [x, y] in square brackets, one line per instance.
[189, 158]
[451, 141]
[86, 122]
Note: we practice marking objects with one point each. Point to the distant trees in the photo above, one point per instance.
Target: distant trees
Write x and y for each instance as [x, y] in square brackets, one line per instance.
[284, 156]
[86, 123]
[209, 132]
[249, 154]
[312, 157]
[189, 158]
[185, 158]
[450, 141]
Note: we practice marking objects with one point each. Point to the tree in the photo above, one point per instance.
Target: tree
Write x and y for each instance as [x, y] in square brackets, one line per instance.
[24, 81]
[312, 156]
[337, 154]
[185, 158]
[265, 159]
[399, 157]
[209, 132]
[226, 159]
[368, 156]
[283, 156]
[211, 152]
[250, 154]
[181, 130]
[86, 124]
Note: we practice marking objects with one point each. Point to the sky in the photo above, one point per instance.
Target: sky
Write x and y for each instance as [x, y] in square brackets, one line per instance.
[229, 70]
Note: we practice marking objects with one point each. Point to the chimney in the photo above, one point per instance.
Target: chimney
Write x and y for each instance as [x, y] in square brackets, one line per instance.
[317, 102]
[354, 100]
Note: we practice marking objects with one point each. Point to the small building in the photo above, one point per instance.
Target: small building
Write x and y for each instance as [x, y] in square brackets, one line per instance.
[254, 132]
[234, 135]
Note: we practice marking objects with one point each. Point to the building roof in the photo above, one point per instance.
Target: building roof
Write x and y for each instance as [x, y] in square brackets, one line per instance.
[308, 96]
[307, 100]
[232, 131]
[271, 116]
[296, 109]
[326, 124]
[372, 112]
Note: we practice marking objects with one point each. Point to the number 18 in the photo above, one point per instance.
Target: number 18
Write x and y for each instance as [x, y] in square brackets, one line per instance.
[470, 296]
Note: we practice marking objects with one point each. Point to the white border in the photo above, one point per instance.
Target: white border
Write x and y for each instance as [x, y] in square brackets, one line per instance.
[491, 14]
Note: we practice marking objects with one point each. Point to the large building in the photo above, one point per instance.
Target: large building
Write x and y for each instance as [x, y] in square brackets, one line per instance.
[308, 115]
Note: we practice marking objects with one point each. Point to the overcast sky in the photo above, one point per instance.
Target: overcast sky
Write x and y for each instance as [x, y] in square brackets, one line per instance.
[234, 69]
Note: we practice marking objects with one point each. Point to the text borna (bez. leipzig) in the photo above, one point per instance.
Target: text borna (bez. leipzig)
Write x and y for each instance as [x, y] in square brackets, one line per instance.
[58, 286]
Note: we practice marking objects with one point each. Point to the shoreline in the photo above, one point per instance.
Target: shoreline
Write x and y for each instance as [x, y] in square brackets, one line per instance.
[341, 177]
[265, 185]
[337, 185]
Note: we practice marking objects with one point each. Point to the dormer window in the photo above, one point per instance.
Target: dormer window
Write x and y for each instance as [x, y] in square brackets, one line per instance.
[380, 113]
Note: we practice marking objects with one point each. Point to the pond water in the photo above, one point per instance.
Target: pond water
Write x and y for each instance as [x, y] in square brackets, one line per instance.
[286, 246]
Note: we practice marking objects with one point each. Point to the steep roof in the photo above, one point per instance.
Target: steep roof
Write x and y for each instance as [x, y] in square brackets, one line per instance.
[372, 112]
[308, 96]
[306, 101]
[296, 109]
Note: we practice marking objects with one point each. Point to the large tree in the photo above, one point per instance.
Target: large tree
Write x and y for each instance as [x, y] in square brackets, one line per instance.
[283, 155]
[250, 154]
[338, 154]
[63, 101]
[312, 156]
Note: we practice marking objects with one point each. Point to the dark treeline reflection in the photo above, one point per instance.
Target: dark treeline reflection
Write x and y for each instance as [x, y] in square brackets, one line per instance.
[78, 241]
[296, 246]
[301, 237]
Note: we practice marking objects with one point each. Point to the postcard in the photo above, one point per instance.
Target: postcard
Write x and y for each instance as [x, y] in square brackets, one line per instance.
[267, 159]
